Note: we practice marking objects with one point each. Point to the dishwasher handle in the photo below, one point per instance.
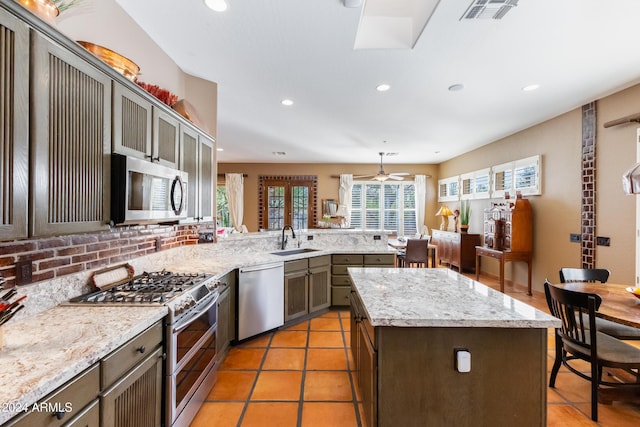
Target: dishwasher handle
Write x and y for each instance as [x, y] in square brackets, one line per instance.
[261, 267]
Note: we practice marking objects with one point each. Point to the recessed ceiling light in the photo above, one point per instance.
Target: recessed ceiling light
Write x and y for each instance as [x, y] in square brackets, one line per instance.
[217, 5]
[383, 87]
[529, 88]
[456, 87]
[287, 102]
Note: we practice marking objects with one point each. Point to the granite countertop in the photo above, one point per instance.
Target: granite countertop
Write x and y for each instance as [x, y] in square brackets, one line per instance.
[199, 260]
[438, 297]
[44, 351]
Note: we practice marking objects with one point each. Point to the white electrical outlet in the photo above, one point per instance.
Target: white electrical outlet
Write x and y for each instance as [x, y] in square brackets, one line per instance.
[463, 360]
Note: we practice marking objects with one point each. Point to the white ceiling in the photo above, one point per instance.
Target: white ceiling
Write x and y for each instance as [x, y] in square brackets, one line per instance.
[262, 51]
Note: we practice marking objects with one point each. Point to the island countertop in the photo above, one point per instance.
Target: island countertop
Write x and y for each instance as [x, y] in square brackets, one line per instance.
[438, 297]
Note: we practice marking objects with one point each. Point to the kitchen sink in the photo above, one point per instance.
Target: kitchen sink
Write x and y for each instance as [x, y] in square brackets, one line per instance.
[294, 251]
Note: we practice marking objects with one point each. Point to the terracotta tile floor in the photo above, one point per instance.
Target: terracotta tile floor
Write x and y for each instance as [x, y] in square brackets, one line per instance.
[299, 376]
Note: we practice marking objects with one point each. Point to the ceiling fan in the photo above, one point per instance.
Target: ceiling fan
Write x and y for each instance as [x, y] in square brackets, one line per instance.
[382, 175]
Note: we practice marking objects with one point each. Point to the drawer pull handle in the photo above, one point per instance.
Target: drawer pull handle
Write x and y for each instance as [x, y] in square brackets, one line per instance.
[59, 415]
[141, 349]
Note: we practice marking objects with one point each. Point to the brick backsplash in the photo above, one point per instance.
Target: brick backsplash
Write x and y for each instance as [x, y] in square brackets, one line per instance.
[58, 256]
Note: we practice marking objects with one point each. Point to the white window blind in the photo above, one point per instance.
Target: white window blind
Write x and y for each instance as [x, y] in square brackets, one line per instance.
[388, 205]
[522, 176]
[502, 179]
[526, 176]
[475, 185]
[448, 189]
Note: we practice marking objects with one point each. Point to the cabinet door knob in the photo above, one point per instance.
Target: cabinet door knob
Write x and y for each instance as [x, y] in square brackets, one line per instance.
[59, 415]
[141, 349]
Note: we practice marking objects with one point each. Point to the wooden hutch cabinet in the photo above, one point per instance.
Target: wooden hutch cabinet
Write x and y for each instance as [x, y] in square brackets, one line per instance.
[456, 249]
[508, 236]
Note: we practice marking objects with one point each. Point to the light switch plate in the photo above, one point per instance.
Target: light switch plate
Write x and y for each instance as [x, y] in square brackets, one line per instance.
[463, 360]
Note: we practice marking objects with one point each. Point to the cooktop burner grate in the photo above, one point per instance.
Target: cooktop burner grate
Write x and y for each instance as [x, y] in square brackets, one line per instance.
[148, 288]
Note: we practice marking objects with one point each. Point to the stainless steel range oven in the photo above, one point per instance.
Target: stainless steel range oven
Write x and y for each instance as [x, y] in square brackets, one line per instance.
[190, 332]
[191, 356]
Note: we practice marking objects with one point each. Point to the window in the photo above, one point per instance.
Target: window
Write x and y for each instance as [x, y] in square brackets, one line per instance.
[502, 179]
[287, 200]
[526, 176]
[475, 185]
[519, 176]
[384, 205]
[448, 189]
[222, 207]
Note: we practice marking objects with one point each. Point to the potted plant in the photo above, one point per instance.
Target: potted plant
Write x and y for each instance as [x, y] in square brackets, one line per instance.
[465, 210]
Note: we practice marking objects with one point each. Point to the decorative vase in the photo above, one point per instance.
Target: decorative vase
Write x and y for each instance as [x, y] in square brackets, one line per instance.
[464, 228]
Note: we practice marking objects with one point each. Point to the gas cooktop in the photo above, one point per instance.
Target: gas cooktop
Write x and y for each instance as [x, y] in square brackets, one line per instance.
[155, 288]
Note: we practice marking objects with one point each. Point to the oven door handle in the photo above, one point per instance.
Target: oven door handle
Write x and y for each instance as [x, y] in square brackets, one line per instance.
[195, 317]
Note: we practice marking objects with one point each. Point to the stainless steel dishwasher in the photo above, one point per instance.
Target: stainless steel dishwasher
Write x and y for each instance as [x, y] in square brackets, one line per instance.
[260, 299]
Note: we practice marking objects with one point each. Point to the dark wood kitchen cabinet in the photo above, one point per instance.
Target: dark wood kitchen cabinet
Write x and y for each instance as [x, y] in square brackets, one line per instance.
[123, 389]
[132, 123]
[142, 130]
[307, 286]
[223, 337]
[340, 280]
[197, 159]
[365, 358]
[166, 138]
[73, 404]
[131, 382]
[71, 141]
[14, 138]
[296, 289]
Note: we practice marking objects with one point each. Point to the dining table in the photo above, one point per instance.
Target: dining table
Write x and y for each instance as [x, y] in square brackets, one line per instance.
[618, 304]
[401, 244]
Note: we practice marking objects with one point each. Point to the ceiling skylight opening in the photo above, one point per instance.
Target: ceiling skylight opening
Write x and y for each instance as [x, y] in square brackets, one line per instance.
[530, 88]
[287, 102]
[217, 5]
[383, 87]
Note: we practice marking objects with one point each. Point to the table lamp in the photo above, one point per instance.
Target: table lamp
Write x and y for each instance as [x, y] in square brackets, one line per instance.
[444, 212]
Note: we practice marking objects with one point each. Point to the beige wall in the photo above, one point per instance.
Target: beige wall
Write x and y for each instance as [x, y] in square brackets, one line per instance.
[327, 185]
[557, 211]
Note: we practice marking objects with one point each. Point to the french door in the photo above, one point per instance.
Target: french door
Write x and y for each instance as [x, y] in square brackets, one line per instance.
[287, 201]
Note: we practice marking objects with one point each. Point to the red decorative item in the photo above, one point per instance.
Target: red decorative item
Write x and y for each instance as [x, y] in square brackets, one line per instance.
[162, 94]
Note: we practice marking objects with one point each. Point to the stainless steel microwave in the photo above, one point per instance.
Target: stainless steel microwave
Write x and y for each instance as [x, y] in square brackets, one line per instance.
[146, 192]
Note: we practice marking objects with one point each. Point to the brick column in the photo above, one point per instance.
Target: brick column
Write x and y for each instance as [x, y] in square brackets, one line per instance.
[588, 208]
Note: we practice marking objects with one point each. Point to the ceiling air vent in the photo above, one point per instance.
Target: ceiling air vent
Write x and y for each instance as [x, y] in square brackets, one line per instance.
[488, 9]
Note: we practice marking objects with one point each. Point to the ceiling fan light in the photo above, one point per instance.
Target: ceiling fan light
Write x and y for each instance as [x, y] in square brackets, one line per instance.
[380, 178]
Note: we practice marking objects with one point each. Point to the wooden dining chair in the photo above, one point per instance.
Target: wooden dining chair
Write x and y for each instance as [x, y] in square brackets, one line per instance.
[622, 332]
[416, 254]
[584, 275]
[578, 339]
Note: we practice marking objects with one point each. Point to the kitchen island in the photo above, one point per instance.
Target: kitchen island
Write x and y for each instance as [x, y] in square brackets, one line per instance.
[410, 329]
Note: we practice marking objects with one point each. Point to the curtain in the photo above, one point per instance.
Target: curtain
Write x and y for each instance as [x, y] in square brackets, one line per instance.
[421, 198]
[346, 185]
[234, 184]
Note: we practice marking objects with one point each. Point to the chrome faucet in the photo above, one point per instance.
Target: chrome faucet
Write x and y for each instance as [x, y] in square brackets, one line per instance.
[284, 239]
